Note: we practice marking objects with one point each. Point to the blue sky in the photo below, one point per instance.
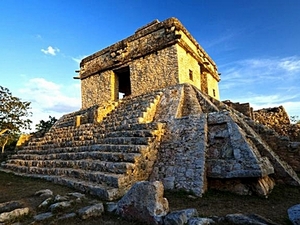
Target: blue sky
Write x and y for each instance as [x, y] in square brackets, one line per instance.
[255, 44]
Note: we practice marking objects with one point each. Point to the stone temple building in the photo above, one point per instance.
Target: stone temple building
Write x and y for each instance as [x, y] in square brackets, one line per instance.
[169, 126]
[158, 55]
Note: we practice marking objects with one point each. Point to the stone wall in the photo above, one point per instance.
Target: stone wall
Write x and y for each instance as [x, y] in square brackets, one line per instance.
[277, 119]
[181, 162]
[244, 108]
[154, 71]
[272, 117]
[96, 90]
[158, 55]
[189, 69]
[287, 150]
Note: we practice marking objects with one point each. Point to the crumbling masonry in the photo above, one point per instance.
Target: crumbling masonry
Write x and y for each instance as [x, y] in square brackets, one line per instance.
[170, 126]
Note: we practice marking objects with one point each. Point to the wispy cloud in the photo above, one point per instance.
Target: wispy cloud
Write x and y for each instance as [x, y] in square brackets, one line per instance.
[291, 64]
[50, 51]
[48, 98]
[220, 40]
[260, 71]
[78, 59]
[265, 82]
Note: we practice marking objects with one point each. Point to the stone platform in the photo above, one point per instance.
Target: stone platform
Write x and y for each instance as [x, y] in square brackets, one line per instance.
[177, 135]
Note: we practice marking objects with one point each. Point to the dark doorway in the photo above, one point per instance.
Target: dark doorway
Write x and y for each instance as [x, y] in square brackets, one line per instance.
[123, 77]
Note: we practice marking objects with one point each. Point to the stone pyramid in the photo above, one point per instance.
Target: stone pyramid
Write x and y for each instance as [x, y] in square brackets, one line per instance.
[177, 135]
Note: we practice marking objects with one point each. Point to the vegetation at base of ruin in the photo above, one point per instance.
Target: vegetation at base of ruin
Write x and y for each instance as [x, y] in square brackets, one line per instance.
[44, 126]
[14, 115]
[295, 119]
[213, 203]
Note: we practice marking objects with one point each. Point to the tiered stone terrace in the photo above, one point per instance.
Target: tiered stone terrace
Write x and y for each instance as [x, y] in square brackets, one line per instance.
[178, 135]
[102, 158]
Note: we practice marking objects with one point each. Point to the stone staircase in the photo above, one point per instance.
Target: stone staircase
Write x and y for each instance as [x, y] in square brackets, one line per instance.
[101, 158]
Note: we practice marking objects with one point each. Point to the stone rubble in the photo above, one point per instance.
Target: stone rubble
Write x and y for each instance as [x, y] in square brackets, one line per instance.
[294, 214]
[144, 203]
[180, 217]
[91, 211]
[45, 192]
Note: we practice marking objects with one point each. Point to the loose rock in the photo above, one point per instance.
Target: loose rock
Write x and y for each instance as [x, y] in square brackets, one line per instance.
[91, 211]
[144, 202]
[44, 192]
[43, 216]
[8, 216]
[9, 206]
[180, 217]
[45, 203]
[60, 205]
[294, 214]
[200, 221]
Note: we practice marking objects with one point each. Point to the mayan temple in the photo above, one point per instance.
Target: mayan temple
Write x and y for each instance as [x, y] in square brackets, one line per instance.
[151, 110]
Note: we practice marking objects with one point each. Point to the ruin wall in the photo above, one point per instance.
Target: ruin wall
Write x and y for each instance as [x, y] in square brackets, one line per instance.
[96, 90]
[154, 71]
[241, 107]
[158, 55]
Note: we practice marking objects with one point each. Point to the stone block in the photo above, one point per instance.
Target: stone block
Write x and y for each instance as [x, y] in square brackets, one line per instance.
[144, 202]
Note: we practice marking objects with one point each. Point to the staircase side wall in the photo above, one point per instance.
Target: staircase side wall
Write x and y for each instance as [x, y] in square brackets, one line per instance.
[181, 157]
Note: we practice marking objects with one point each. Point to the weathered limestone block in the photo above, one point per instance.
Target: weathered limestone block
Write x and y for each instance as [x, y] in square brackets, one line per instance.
[43, 216]
[67, 216]
[264, 186]
[9, 206]
[59, 198]
[46, 202]
[144, 202]
[200, 221]
[91, 211]
[180, 217]
[294, 214]
[45, 192]
[14, 214]
[60, 205]
[230, 154]
[181, 159]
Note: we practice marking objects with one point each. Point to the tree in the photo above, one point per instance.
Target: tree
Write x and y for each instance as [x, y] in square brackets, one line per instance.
[14, 115]
[295, 119]
[44, 126]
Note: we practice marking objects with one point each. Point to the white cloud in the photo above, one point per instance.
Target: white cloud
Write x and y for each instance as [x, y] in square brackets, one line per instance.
[291, 64]
[48, 98]
[265, 82]
[78, 59]
[50, 50]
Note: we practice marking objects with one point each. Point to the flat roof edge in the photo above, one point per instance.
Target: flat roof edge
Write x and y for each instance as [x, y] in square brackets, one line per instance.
[145, 30]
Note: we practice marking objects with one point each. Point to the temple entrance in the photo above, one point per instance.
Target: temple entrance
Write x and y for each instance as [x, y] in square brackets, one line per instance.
[123, 82]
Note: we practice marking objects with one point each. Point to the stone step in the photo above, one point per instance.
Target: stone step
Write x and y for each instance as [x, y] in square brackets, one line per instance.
[117, 126]
[94, 155]
[96, 138]
[60, 144]
[94, 130]
[128, 140]
[109, 179]
[96, 147]
[94, 165]
[103, 191]
[131, 133]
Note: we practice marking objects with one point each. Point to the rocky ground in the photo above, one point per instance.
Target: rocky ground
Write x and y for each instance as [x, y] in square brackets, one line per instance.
[66, 206]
